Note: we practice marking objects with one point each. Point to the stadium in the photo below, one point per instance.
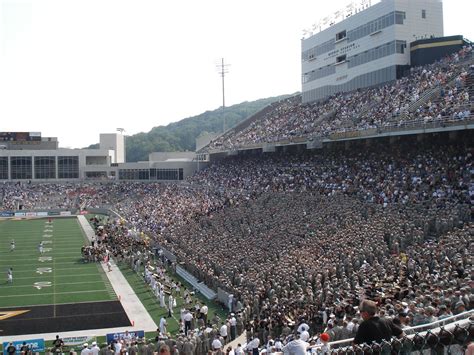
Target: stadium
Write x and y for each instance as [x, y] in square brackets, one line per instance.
[336, 221]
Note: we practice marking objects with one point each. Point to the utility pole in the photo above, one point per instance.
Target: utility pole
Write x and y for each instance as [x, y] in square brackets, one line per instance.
[223, 70]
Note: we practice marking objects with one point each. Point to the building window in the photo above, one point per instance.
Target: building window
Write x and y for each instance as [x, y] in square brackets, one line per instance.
[45, 167]
[3, 168]
[400, 46]
[376, 53]
[319, 73]
[22, 168]
[341, 35]
[341, 59]
[166, 174]
[68, 167]
[96, 175]
[423, 13]
[134, 174]
[399, 17]
[311, 53]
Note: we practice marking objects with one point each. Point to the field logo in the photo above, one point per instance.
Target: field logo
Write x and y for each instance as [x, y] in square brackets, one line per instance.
[47, 235]
[45, 258]
[43, 270]
[48, 231]
[47, 250]
[41, 284]
[8, 314]
[47, 242]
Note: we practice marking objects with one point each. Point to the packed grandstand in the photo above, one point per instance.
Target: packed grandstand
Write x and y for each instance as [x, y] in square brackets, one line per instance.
[303, 236]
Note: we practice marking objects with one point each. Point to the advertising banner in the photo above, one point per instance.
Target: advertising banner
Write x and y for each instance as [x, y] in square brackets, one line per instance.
[71, 341]
[133, 334]
[35, 345]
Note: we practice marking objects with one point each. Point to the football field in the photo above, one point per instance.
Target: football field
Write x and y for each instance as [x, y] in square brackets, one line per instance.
[54, 283]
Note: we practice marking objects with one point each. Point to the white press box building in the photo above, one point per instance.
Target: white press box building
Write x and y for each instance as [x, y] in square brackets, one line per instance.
[368, 46]
[29, 156]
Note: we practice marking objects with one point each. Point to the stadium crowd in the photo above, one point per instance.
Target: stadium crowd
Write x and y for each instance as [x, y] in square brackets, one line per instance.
[301, 238]
[370, 108]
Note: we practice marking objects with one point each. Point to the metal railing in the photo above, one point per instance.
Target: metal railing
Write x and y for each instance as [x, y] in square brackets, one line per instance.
[447, 336]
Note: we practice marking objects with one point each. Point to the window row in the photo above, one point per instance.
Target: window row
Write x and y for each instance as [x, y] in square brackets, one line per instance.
[395, 17]
[377, 53]
[319, 73]
[21, 168]
[325, 47]
[151, 174]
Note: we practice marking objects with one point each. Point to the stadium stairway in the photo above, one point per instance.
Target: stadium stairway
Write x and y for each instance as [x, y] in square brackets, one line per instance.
[200, 286]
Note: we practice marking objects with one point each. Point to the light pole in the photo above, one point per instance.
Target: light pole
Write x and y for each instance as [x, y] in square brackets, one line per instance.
[223, 70]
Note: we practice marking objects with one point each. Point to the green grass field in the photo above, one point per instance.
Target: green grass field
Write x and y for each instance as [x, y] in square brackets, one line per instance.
[57, 276]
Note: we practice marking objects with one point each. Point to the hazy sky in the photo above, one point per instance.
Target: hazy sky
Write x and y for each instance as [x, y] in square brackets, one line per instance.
[75, 68]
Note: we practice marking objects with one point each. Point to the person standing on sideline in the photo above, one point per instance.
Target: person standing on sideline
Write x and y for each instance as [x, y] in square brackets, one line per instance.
[10, 275]
[374, 328]
[170, 305]
[188, 318]
[162, 298]
[40, 248]
[163, 325]
[12, 245]
[233, 326]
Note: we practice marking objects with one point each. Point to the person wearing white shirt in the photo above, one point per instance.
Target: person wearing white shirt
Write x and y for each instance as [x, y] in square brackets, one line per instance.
[204, 311]
[95, 349]
[127, 338]
[188, 317]
[223, 332]
[238, 350]
[303, 327]
[278, 345]
[252, 346]
[295, 347]
[170, 305]
[233, 326]
[86, 350]
[162, 298]
[216, 344]
[163, 325]
[117, 347]
[304, 335]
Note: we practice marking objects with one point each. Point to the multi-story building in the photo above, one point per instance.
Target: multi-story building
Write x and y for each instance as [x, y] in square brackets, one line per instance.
[368, 46]
[28, 156]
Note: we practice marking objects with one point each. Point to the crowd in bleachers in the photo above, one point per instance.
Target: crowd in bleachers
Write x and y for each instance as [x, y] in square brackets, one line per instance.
[308, 236]
[304, 238]
[376, 107]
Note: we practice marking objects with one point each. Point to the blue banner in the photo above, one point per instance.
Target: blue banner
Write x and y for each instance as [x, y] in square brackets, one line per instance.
[132, 334]
[35, 345]
[7, 214]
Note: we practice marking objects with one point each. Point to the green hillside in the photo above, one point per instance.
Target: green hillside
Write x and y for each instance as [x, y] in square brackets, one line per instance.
[181, 135]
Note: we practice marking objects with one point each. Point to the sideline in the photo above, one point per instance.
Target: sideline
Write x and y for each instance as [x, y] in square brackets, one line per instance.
[135, 310]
